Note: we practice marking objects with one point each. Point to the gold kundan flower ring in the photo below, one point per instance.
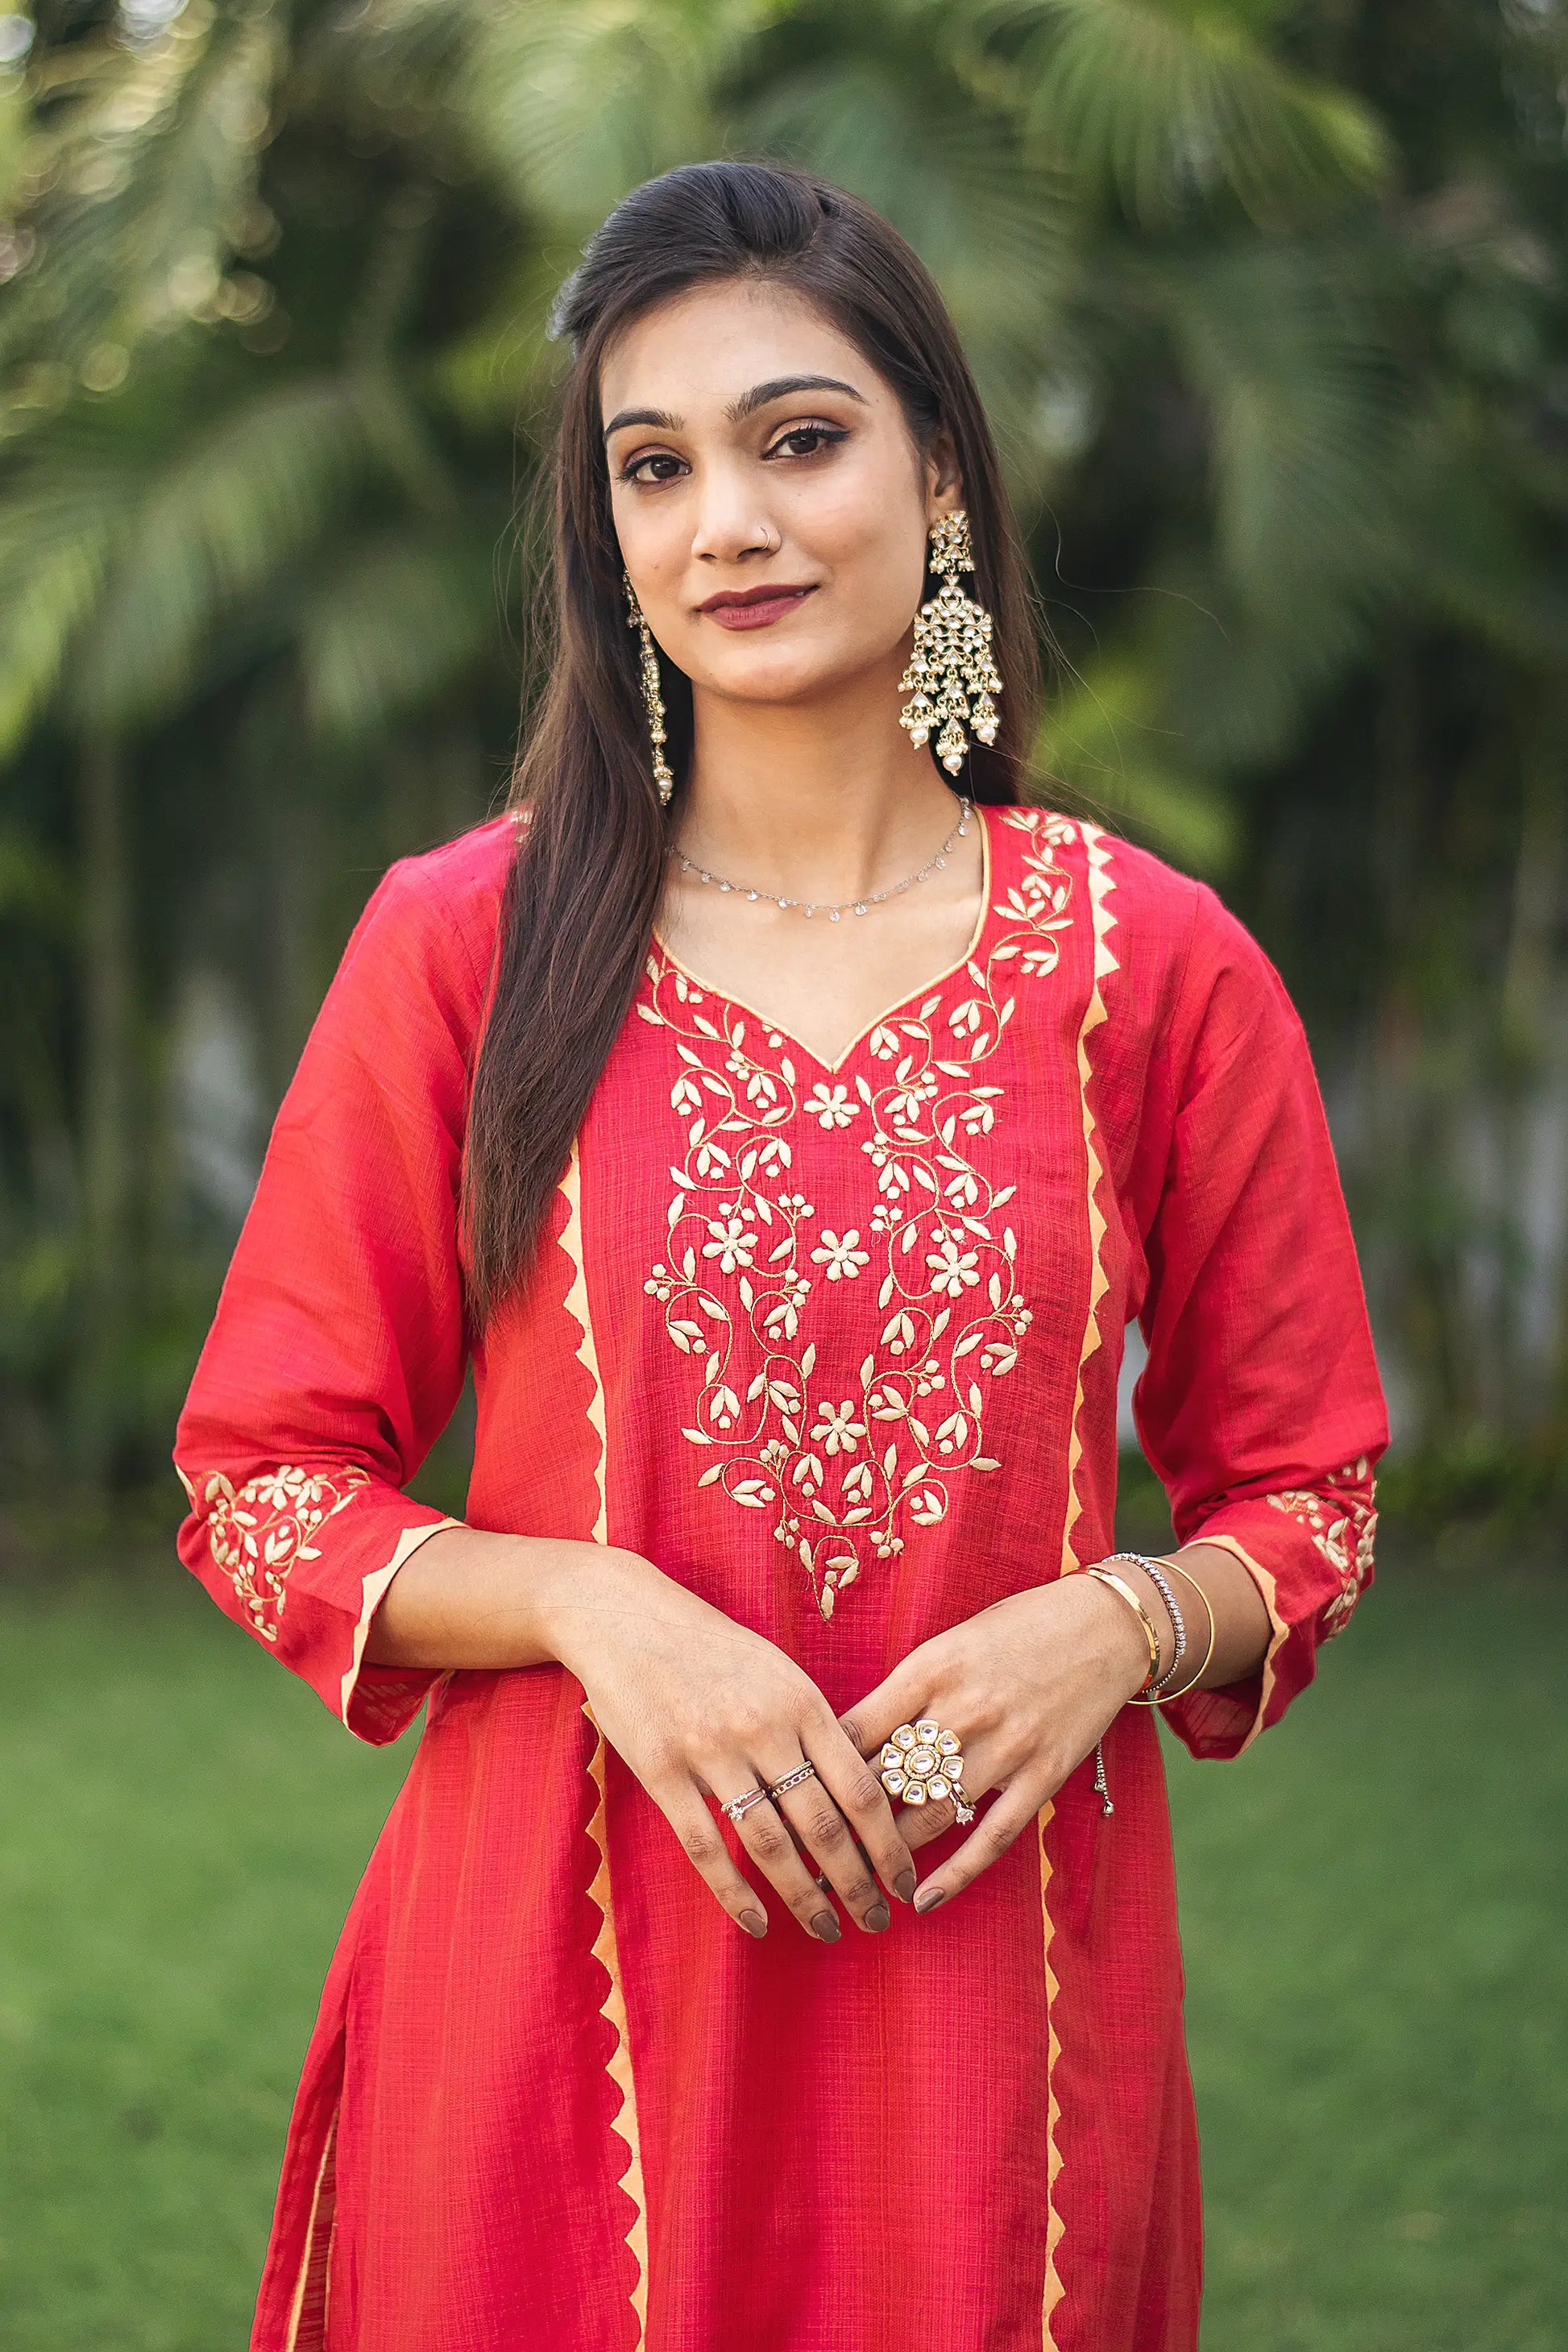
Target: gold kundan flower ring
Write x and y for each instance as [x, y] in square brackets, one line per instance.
[922, 1763]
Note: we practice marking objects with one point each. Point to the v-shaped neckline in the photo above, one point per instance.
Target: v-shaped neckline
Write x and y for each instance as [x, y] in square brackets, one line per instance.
[786, 1035]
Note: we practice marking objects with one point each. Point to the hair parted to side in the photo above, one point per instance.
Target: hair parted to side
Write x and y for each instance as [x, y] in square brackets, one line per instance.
[580, 904]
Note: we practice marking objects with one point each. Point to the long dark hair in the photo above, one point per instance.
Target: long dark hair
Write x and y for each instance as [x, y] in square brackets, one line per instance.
[584, 884]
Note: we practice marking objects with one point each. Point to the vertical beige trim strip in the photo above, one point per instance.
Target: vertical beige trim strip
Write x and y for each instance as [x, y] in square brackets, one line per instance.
[577, 1307]
[605, 1951]
[1100, 888]
[1098, 860]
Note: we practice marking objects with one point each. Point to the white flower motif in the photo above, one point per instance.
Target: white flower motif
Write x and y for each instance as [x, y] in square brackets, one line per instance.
[830, 1106]
[952, 1270]
[837, 1429]
[772, 1445]
[842, 1257]
[731, 1243]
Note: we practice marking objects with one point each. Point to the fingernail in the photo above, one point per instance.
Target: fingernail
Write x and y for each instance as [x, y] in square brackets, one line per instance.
[928, 1897]
[878, 1918]
[904, 1886]
[753, 1923]
[826, 1926]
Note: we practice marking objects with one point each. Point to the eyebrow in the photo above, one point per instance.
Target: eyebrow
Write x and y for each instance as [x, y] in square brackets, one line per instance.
[778, 387]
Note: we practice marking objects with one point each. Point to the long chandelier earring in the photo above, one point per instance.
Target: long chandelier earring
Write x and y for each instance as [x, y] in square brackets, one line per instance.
[952, 675]
[652, 695]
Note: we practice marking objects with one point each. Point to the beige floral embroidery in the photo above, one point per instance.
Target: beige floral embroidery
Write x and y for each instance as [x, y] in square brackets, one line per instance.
[256, 1534]
[840, 1474]
[1341, 1520]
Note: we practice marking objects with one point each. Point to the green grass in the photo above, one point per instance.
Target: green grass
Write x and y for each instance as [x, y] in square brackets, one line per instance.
[1376, 1920]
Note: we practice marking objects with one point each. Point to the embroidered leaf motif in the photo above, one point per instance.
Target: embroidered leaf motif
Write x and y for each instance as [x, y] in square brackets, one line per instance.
[955, 1299]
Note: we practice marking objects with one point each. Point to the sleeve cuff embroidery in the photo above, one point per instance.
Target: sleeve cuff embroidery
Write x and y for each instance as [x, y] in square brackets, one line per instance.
[258, 1533]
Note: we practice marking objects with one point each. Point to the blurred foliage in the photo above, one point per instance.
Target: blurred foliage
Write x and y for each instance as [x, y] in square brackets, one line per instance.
[1268, 305]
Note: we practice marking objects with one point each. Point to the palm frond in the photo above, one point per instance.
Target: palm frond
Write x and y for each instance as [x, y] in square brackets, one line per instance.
[1164, 106]
[58, 528]
[394, 627]
[1103, 740]
[135, 179]
[217, 522]
[1288, 347]
[572, 102]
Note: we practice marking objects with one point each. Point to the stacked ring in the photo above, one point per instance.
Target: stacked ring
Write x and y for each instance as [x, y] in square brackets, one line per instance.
[792, 1780]
[736, 1806]
[922, 1763]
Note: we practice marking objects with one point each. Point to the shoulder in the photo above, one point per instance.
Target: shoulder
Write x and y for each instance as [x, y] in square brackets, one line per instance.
[436, 915]
[409, 993]
[1169, 947]
[1155, 908]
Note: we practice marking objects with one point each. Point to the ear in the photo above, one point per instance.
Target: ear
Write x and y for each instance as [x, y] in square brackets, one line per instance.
[944, 486]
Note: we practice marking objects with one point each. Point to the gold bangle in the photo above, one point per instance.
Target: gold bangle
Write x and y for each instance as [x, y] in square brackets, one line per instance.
[1188, 1578]
[1119, 1584]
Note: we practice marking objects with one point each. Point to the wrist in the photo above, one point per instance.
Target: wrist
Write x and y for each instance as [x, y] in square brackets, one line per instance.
[1130, 1568]
[1124, 1644]
[583, 1594]
[1151, 1639]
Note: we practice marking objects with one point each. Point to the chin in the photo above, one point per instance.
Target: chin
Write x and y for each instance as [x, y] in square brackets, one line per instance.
[793, 675]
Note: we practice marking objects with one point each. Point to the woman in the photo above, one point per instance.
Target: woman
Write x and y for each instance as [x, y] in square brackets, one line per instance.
[789, 1159]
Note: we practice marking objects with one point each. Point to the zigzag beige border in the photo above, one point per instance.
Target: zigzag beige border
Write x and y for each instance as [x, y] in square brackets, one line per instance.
[1101, 920]
[605, 1951]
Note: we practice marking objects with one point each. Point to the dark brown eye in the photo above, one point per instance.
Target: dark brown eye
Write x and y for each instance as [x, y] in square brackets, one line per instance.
[806, 440]
[658, 466]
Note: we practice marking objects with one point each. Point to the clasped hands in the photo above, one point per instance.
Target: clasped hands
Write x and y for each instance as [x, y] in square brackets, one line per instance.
[704, 1708]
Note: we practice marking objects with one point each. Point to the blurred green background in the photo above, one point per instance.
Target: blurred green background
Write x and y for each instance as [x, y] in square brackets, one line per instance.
[1270, 306]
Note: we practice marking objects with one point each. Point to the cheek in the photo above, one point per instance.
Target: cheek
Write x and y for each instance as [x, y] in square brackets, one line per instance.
[654, 543]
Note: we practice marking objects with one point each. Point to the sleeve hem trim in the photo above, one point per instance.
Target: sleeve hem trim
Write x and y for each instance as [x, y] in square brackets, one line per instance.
[372, 1592]
[1279, 1632]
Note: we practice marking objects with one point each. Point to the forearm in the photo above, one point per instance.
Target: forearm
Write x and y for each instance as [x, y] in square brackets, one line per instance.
[469, 1598]
[1241, 1624]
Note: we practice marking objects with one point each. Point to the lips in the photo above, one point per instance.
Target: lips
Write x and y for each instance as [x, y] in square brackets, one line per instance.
[754, 608]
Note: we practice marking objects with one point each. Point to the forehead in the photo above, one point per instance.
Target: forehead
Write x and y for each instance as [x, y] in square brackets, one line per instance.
[697, 353]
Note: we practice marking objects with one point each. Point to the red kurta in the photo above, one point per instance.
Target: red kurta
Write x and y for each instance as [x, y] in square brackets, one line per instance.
[837, 1348]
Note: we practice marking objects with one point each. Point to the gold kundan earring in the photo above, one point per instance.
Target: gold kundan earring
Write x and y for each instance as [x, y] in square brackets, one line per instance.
[652, 695]
[951, 674]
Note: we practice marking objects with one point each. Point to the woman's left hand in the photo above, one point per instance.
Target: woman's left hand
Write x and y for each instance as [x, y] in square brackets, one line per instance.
[1029, 1686]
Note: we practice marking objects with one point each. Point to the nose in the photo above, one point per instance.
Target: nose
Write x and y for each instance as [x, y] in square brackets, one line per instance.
[729, 525]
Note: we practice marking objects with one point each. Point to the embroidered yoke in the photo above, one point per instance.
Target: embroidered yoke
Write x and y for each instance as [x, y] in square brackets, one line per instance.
[838, 1348]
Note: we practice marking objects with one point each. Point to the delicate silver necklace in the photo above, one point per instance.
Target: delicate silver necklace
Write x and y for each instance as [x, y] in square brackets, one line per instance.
[845, 906]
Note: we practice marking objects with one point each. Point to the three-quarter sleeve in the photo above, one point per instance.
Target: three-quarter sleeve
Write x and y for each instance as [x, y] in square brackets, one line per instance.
[338, 1351]
[1261, 1408]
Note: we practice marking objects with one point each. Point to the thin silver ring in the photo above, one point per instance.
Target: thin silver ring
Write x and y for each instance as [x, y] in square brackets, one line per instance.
[743, 1802]
[792, 1780]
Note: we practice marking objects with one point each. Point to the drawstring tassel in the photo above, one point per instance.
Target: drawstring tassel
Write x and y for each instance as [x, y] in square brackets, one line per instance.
[1100, 1788]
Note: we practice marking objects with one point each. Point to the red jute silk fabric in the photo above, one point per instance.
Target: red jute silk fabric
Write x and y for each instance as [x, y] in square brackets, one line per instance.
[839, 1349]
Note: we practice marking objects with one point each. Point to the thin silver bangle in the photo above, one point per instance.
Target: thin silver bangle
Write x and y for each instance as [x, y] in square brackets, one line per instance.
[1152, 1570]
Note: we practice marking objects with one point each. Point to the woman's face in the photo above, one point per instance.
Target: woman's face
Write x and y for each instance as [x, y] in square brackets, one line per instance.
[770, 504]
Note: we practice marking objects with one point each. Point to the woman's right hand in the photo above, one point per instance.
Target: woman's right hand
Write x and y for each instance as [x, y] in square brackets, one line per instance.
[701, 1706]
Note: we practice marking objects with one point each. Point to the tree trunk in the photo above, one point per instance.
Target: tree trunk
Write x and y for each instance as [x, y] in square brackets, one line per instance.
[107, 991]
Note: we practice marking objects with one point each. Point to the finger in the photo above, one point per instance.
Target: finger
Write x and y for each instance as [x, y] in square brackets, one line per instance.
[986, 1843]
[857, 1789]
[923, 1825]
[766, 1835]
[900, 1697]
[702, 1843]
[817, 1816]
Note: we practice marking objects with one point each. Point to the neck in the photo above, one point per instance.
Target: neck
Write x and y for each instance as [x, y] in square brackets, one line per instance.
[825, 800]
